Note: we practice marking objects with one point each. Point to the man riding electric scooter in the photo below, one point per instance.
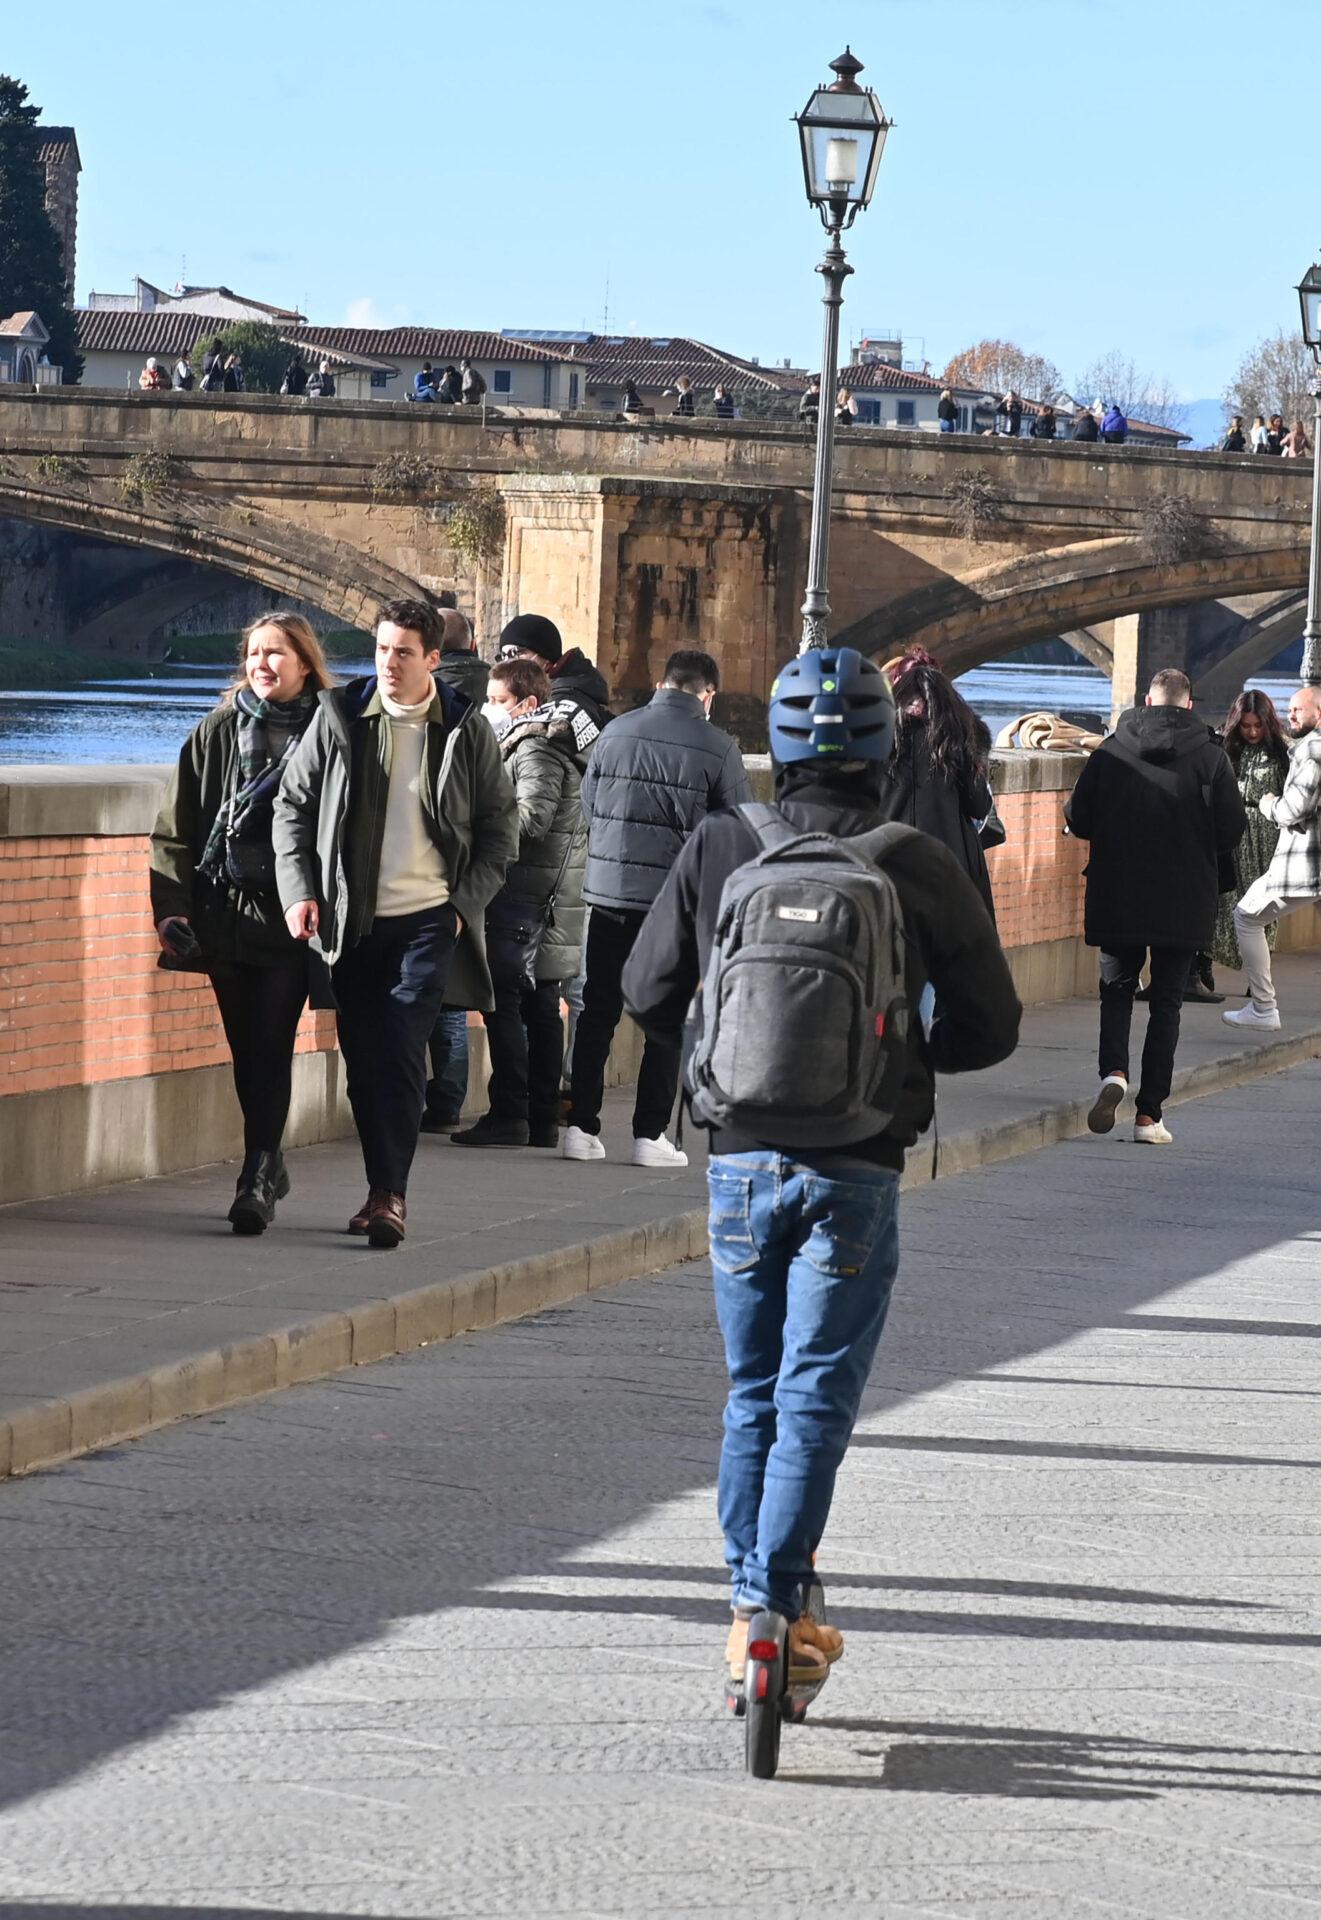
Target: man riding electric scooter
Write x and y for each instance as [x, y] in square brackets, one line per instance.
[803, 951]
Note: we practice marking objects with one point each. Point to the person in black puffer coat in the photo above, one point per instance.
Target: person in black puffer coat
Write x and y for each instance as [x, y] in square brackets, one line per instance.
[938, 777]
[653, 776]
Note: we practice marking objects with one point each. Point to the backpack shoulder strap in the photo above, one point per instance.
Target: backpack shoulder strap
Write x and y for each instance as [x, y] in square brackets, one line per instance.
[768, 823]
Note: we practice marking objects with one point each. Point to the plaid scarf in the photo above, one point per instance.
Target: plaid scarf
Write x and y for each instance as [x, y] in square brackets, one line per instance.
[268, 731]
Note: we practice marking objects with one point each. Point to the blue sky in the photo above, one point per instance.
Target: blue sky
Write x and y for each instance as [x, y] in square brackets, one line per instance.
[1077, 176]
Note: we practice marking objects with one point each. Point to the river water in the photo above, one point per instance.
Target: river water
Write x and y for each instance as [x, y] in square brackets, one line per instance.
[118, 722]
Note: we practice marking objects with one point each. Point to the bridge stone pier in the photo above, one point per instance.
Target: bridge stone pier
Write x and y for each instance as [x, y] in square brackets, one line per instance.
[641, 537]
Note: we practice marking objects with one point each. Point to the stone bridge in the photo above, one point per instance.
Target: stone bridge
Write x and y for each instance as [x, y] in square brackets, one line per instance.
[638, 538]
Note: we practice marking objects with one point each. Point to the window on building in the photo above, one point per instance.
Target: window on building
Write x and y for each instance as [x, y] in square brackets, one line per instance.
[964, 421]
[379, 379]
[573, 389]
[906, 415]
[501, 380]
[869, 413]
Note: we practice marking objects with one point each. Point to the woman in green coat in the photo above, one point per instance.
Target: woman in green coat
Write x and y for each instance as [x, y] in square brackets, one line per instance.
[534, 926]
[1259, 754]
[213, 894]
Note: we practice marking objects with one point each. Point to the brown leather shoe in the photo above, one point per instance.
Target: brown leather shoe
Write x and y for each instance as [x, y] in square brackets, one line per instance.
[385, 1218]
[358, 1224]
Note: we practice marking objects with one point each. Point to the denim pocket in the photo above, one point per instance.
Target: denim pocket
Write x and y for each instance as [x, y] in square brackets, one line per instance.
[733, 1248]
[847, 1223]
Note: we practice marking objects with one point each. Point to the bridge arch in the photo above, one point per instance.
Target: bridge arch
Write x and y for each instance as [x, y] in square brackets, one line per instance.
[292, 561]
[971, 620]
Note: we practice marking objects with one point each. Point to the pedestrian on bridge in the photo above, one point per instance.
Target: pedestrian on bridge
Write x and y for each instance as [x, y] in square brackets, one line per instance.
[394, 825]
[154, 378]
[1296, 445]
[1258, 440]
[804, 1211]
[213, 368]
[1114, 427]
[1085, 425]
[183, 374]
[1293, 879]
[1159, 804]
[1235, 440]
[213, 891]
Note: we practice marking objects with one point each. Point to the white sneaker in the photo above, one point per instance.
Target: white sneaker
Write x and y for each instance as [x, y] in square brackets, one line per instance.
[657, 1153]
[577, 1145]
[1155, 1135]
[1266, 1019]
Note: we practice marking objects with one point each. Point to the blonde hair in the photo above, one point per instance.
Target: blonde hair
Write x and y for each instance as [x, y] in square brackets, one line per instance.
[300, 634]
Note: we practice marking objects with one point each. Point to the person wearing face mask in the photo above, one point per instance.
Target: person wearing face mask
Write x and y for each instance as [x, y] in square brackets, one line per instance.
[534, 924]
[652, 778]
[213, 893]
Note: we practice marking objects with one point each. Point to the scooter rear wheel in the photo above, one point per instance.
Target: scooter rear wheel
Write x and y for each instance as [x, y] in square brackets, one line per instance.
[764, 1685]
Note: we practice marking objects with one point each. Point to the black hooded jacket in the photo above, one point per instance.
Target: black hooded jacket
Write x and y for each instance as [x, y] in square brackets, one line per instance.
[574, 674]
[1159, 803]
[951, 943]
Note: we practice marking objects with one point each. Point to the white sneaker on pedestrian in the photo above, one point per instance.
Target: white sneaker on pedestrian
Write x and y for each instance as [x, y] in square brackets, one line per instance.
[577, 1145]
[1265, 1019]
[1154, 1134]
[658, 1153]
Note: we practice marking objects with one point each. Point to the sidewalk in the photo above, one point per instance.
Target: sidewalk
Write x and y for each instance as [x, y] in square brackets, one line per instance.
[131, 1306]
[441, 1639]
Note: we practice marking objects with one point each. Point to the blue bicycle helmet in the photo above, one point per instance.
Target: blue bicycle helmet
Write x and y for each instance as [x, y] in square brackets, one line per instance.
[831, 704]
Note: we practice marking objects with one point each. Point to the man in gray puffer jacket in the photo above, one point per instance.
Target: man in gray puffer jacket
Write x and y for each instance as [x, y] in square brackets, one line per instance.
[653, 777]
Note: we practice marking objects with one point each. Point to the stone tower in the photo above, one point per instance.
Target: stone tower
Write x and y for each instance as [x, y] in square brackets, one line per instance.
[59, 157]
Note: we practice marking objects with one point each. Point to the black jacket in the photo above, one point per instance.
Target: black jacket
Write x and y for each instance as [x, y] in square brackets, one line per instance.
[653, 777]
[1234, 441]
[951, 943]
[919, 795]
[574, 676]
[1043, 427]
[467, 671]
[1085, 427]
[1159, 803]
[946, 410]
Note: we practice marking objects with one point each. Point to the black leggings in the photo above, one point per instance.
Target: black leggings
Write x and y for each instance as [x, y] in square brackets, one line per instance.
[260, 1007]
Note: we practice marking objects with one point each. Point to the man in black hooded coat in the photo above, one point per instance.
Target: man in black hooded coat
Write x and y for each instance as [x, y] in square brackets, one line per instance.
[1160, 805]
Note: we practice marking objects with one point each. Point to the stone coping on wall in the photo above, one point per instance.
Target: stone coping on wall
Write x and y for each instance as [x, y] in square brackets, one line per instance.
[40, 801]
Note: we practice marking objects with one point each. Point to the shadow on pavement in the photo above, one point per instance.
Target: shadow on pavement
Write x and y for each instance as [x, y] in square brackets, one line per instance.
[143, 1585]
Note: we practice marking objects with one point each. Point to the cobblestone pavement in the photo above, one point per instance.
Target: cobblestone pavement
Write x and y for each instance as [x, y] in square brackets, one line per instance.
[441, 1637]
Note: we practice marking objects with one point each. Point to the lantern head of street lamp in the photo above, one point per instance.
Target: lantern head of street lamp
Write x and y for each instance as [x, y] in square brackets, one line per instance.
[842, 129]
[1309, 298]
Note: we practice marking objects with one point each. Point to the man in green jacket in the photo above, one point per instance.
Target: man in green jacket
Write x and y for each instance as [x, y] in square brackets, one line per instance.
[393, 828]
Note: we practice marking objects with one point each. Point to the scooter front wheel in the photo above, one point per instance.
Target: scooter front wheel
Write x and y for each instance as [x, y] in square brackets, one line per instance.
[764, 1685]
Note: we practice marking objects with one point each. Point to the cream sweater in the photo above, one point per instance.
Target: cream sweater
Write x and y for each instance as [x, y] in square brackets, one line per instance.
[412, 874]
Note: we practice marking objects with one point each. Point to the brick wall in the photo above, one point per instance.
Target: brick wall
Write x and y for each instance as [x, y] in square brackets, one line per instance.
[1037, 874]
[81, 997]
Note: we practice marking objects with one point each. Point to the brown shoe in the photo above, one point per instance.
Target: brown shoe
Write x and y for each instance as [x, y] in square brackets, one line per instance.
[385, 1218]
[358, 1224]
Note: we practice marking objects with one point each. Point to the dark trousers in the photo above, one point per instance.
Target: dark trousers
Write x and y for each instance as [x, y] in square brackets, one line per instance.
[447, 1089]
[611, 933]
[1120, 973]
[526, 1037]
[389, 989]
[260, 1008]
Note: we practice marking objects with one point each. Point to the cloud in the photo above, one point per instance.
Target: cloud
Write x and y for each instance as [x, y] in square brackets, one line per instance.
[364, 312]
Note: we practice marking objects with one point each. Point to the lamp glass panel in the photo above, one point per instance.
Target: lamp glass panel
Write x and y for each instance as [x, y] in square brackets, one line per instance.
[1311, 298]
[827, 146]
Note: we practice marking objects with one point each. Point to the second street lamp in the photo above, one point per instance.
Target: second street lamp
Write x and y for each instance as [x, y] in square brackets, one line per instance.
[1309, 296]
[842, 129]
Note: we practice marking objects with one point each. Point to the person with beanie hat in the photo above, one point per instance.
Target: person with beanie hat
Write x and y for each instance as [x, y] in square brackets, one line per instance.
[531, 636]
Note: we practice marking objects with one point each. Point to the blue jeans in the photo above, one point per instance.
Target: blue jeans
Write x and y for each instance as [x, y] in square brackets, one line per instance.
[948, 426]
[804, 1253]
[447, 1089]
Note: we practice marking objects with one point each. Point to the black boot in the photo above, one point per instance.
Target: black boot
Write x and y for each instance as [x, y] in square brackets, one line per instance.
[493, 1131]
[262, 1181]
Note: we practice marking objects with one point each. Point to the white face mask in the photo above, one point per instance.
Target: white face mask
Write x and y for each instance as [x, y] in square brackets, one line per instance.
[500, 718]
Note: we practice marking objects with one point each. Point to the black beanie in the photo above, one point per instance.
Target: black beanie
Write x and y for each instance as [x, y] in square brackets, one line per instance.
[534, 633]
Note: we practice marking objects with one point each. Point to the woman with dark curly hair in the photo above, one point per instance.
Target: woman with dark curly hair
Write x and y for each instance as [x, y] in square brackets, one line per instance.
[1259, 754]
[938, 777]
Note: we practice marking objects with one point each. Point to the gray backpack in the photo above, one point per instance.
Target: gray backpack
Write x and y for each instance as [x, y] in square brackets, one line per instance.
[802, 1018]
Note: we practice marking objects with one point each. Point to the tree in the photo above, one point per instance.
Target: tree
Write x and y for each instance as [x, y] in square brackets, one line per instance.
[1273, 378]
[997, 365]
[1142, 396]
[259, 346]
[31, 257]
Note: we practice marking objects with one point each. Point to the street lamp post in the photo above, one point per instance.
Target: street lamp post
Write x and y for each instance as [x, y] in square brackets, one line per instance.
[842, 129]
[1309, 295]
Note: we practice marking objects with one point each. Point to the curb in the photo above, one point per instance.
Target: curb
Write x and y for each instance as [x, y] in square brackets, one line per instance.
[53, 1431]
